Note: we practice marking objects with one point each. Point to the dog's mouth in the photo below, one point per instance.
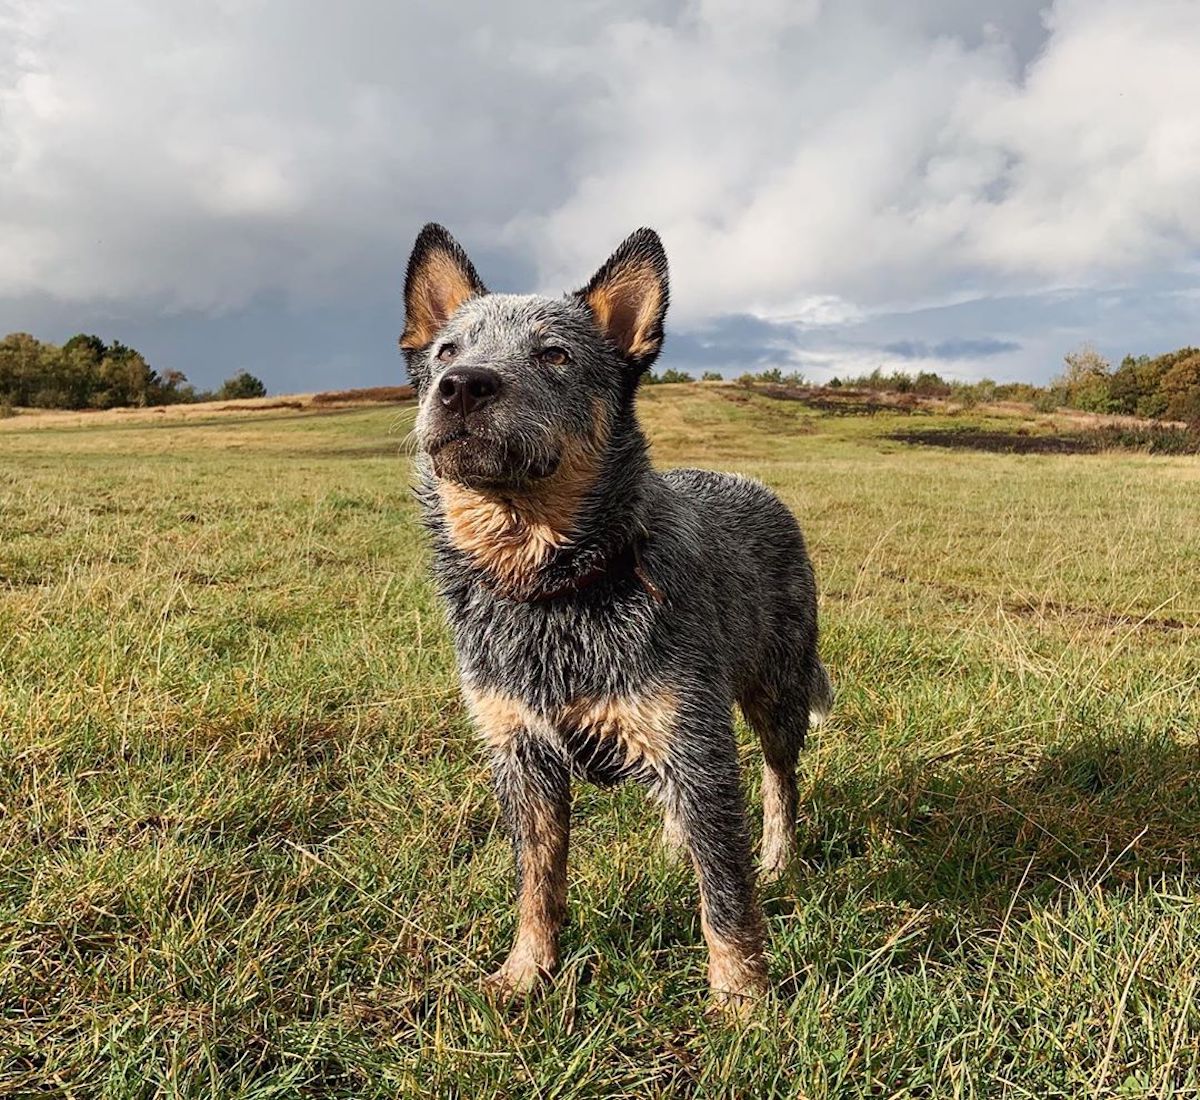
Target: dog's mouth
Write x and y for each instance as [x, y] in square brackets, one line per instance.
[440, 443]
[482, 461]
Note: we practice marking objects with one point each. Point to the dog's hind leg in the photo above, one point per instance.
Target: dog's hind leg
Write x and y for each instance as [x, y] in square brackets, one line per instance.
[782, 730]
[674, 835]
[780, 713]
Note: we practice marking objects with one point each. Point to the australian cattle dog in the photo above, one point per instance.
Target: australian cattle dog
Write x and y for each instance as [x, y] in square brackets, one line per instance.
[606, 616]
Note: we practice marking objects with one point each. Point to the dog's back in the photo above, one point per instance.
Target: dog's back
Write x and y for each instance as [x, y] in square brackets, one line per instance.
[737, 556]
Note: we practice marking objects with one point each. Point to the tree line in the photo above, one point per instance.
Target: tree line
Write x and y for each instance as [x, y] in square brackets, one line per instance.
[87, 373]
[1163, 387]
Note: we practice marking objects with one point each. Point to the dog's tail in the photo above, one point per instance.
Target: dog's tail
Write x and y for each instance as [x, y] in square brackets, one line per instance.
[820, 693]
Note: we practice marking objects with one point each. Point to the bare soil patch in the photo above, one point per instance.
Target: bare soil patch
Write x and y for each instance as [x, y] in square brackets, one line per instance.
[1144, 438]
[1021, 441]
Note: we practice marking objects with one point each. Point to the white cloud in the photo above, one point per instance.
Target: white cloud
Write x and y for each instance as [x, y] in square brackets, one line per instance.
[871, 160]
[197, 156]
[814, 161]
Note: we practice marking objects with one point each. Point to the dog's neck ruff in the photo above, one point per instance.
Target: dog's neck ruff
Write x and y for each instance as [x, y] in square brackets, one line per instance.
[575, 534]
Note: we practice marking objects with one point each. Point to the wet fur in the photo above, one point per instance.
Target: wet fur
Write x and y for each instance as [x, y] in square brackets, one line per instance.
[629, 677]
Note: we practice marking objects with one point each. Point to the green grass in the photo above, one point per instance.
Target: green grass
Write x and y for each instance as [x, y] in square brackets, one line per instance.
[247, 847]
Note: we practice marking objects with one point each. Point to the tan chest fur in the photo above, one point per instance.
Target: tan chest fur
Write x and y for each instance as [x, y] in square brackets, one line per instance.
[513, 536]
[641, 725]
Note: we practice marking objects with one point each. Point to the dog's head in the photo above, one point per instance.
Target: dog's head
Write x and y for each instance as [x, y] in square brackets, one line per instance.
[511, 387]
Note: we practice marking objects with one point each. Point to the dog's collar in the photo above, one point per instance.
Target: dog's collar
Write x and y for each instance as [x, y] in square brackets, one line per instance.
[628, 560]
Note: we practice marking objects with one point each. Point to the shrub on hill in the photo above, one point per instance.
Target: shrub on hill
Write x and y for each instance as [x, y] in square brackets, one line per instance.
[241, 385]
[668, 376]
[1085, 383]
[87, 373]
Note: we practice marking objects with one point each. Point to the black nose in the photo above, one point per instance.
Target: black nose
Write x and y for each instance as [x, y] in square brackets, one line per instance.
[468, 388]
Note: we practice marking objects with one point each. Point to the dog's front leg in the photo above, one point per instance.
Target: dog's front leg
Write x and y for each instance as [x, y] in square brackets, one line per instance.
[534, 789]
[704, 801]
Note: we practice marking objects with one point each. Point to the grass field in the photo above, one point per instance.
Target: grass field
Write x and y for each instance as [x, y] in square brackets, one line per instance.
[247, 848]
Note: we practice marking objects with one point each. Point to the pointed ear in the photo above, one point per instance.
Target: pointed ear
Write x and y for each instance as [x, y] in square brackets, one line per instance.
[628, 298]
[439, 279]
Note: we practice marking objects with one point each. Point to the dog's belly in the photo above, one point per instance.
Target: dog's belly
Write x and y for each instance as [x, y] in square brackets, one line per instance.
[597, 759]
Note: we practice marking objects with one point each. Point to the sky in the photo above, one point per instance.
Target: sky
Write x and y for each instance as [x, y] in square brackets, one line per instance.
[974, 188]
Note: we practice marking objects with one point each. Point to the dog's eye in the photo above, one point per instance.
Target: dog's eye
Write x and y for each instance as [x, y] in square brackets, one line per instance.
[447, 352]
[554, 357]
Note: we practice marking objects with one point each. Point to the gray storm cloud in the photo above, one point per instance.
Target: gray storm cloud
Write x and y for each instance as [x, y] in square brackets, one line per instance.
[807, 162]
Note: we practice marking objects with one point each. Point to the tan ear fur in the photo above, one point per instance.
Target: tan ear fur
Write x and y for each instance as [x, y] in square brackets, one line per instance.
[628, 297]
[440, 278]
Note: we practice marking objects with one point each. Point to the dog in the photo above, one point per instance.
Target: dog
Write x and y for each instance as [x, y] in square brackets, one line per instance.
[606, 617]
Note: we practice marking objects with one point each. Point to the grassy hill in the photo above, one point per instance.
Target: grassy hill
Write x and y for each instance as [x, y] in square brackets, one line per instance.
[247, 847]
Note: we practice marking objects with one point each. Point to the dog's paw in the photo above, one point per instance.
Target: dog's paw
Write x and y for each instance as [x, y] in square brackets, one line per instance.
[738, 1005]
[774, 866]
[778, 855]
[518, 976]
[737, 983]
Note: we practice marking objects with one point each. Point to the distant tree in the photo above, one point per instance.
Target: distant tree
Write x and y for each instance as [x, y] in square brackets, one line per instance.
[1086, 381]
[1156, 372]
[712, 376]
[1137, 385]
[51, 387]
[930, 384]
[83, 373]
[1130, 383]
[173, 389]
[20, 360]
[241, 385]
[672, 375]
[91, 347]
[125, 379]
[80, 367]
[1181, 388]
